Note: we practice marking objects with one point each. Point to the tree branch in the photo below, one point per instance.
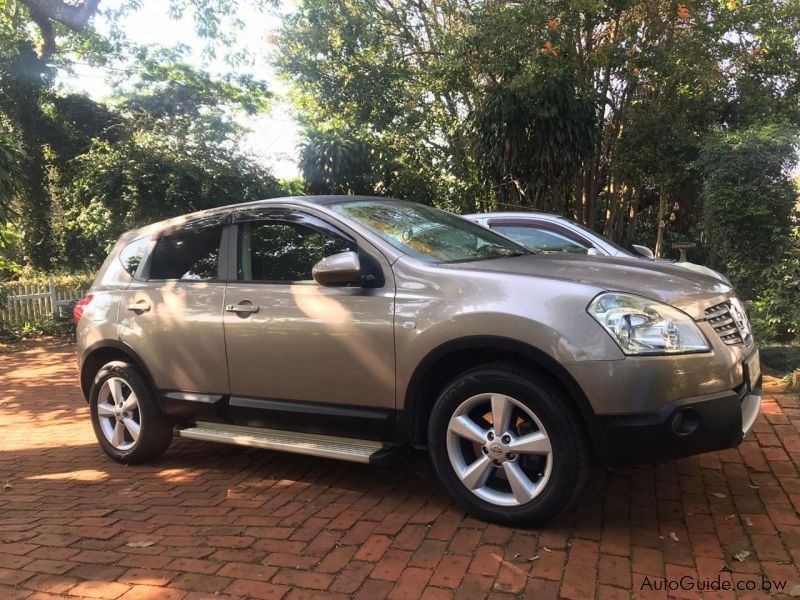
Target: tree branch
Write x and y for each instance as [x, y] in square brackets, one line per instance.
[44, 12]
[74, 16]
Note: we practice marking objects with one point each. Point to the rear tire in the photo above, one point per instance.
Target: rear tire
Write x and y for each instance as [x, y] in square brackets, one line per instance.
[127, 420]
[508, 445]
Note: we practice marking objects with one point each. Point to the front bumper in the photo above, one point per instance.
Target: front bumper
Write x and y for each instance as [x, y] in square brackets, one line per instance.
[682, 428]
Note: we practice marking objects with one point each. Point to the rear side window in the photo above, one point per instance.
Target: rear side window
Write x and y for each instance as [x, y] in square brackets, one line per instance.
[132, 254]
[190, 254]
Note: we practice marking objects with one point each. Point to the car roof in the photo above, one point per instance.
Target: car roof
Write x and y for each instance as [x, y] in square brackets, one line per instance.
[316, 200]
[517, 215]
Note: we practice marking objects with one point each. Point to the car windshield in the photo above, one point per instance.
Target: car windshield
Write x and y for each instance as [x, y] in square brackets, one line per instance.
[427, 233]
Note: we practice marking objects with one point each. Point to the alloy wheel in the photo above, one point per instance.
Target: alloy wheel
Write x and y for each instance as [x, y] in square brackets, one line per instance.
[118, 413]
[499, 449]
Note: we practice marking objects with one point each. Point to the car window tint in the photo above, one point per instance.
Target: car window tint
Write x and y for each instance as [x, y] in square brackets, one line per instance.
[131, 255]
[190, 254]
[283, 251]
[541, 239]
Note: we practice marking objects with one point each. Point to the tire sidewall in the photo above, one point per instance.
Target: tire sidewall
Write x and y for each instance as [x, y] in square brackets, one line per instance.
[542, 401]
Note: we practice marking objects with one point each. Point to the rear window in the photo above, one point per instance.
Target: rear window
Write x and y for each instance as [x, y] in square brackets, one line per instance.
[189, 254]
[132, 255]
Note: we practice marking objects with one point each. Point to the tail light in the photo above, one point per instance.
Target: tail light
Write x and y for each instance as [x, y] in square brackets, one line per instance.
[80, 307]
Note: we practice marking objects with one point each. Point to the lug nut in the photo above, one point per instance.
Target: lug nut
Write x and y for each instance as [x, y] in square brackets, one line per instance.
[506, 439]
[490, 436]
[485, 450]
[511, 456]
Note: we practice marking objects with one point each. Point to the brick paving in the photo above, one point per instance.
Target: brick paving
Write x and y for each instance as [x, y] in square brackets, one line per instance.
[211, 521]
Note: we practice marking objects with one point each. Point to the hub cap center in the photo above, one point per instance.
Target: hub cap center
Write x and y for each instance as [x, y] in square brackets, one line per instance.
[496, 449]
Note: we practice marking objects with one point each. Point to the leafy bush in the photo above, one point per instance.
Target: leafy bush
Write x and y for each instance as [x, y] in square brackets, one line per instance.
[67, 281]
[61, 328]
[9, 238]
[748, 201]
[149, 176]
[776, 311]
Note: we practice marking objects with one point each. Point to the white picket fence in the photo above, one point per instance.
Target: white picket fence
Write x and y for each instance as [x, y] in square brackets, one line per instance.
[33, 303]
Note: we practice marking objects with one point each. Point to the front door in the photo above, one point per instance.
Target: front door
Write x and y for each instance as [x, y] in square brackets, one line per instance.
[301, 356]
[171, 314]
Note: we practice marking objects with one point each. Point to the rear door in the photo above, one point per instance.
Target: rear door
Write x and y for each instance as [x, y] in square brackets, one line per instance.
[171, 315]
[302, 356]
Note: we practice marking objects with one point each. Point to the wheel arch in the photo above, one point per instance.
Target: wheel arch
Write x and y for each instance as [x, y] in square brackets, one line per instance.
[106, 351]
[445, 362]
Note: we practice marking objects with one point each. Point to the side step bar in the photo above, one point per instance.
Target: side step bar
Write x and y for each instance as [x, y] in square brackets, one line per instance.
[362, 451]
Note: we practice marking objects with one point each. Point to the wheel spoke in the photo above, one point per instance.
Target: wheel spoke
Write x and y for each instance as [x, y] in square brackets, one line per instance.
[131, 403]
[501, 413]
[104, 409]
[467, 428]
[532, 443]
[522, 487]
[132, 427]
[119, 435]
[475, 475]
[115, 385]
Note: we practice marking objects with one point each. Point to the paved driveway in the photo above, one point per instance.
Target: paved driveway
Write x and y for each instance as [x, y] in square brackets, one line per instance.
[216, 521]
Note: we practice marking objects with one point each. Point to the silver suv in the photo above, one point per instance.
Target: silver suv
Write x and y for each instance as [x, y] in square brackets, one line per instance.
[351, 327]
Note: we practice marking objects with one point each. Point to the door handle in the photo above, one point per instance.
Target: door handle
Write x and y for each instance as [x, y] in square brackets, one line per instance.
[140, 306]
[242, 308]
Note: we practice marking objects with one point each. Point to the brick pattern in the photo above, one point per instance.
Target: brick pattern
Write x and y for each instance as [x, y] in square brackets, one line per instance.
[211, 521]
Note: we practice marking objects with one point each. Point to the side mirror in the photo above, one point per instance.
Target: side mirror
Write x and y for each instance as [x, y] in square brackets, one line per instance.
[644, 251]
[592, 252]
[339, 269]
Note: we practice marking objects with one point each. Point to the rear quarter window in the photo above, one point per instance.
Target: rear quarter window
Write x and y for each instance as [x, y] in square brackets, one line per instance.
[133, 254]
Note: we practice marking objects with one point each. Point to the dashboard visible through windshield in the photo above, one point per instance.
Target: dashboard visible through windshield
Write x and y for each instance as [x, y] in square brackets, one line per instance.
[428, 233]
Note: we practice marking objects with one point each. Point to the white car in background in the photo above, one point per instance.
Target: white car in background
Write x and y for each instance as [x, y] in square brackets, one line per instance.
[554, 233]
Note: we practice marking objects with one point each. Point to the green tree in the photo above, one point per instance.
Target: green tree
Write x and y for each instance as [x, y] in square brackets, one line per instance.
[170, 149]
[39, 37]
[749, 199]
[335, 164]
[559, 104]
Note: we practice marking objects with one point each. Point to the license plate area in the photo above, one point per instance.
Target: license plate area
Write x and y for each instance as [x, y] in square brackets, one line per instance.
[752, 370]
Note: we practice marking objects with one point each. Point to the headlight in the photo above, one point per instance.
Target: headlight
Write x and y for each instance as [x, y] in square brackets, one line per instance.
[643, 326]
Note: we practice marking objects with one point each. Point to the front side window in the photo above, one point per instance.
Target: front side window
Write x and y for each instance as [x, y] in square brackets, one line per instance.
[427, 233]
[283, 251]
[542, 240]
[190, 254]
[131, 255]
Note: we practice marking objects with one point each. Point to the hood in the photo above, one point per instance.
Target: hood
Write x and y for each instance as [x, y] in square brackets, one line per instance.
[662, 281]
[705, 271]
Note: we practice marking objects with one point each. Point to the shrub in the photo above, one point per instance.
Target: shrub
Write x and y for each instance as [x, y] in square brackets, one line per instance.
[748, 200]
[61, 328]
[775, 313]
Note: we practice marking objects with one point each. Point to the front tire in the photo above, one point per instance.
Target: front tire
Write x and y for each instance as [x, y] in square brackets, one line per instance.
[507, 445]
[127, 420]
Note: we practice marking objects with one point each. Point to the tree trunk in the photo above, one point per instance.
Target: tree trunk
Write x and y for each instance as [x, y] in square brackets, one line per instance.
[662, 222]
[35, 212]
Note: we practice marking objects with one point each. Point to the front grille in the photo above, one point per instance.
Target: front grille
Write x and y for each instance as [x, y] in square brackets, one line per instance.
[721, 320]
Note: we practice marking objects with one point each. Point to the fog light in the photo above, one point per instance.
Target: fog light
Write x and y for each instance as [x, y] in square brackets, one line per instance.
[684, 421]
